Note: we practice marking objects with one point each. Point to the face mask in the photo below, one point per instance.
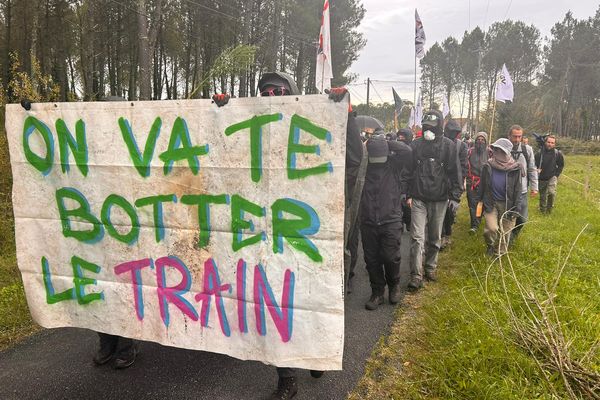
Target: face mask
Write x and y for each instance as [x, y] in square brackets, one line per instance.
[428, 135]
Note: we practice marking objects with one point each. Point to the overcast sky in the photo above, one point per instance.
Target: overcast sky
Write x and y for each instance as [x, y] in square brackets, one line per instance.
[389, 27]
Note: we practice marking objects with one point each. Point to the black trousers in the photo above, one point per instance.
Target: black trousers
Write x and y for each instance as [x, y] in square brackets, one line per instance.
[353, 249]
[449, 218]
[381, 245]
[118, 344]
[406, 216]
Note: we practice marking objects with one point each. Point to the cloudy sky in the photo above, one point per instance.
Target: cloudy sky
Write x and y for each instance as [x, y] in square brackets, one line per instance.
[388, 26]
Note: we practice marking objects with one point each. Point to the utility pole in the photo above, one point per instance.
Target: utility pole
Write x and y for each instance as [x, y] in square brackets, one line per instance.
[368, 86]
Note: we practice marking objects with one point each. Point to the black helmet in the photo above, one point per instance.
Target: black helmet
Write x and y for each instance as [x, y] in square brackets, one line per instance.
[433, 121]
[278, 80]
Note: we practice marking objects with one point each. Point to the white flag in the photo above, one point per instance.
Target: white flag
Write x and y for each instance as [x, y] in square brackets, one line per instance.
[504, 88]
[419, 37]
[445, 107]
[411, 119]
[324, 72]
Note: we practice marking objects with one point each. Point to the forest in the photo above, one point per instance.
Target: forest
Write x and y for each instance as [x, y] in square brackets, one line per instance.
[83, 50]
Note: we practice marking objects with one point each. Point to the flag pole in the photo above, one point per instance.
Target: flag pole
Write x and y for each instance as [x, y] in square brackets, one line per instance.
[492, 125]
[415, 87]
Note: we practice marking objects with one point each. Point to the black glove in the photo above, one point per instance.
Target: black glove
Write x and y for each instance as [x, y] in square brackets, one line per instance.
[26, 104]
[336, 94]
[453, 206]
[221, 99]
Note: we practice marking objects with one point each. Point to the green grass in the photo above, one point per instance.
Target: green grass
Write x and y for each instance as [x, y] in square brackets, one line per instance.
[15, 320]
[453, 340]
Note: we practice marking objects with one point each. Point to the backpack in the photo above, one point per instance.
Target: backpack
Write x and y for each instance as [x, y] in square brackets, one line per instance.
[431, 179]
[515, 156]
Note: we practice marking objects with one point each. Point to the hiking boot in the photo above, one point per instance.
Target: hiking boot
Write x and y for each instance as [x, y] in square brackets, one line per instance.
[374, 302]
[104, 354]
[415, 284]
[286, 389]
[472, 231]
[126, 359]
[431, 276]
[491, 252]
[395, 294]
[316, 374]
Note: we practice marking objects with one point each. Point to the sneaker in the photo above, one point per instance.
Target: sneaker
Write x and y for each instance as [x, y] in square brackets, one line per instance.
[395, 294]
[316, 374]
[126, 360]
[431, 276]
[415, 284]
[104, 354]
[286, 389]
[374, 302]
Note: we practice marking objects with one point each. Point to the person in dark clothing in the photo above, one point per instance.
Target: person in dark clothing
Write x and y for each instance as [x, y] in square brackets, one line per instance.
[501, 186]
[282, 84]
[434, 183]
[123, 351]
[405, 135]
[452, 131]
[381, 217]
[477, 156]
[550, 163]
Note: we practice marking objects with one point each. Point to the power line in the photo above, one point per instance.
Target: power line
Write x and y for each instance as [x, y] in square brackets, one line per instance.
[375, 89]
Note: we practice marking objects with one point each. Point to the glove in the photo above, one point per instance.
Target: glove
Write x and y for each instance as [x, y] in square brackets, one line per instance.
[337, 94]
[453, 206]
[221, 99]
[26, 104]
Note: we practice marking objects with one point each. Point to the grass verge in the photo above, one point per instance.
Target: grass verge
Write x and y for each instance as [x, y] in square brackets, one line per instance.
[459, 338]
[15, 319]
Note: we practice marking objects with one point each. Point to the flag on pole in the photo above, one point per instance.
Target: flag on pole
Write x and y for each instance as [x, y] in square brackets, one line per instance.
[324, 71]
[445, 107]
[411, 119]
[419, 110]
[504, 89]
[419, 37]
[397, 102]
[398, 107]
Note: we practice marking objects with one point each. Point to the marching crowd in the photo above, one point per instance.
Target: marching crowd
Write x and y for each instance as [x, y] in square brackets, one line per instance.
[395, 183]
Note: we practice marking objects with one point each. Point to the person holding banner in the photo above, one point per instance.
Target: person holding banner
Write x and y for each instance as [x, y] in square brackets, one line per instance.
[381, 216]
[282, 84]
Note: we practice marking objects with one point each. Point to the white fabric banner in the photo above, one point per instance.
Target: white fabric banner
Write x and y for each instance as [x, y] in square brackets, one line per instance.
[186, 224]
[324, 70]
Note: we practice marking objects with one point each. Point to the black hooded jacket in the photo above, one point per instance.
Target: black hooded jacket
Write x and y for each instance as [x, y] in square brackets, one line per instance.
[382, 194]
[451, 131]
[434, 174]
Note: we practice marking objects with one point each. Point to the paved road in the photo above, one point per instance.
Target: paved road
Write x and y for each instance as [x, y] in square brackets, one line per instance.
[56, 364]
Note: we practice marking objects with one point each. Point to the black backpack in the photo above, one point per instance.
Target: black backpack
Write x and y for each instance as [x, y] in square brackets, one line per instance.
[431, 179]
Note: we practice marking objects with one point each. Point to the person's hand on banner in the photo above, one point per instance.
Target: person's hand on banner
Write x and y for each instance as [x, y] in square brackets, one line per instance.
[26, 104]
[221, 99]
